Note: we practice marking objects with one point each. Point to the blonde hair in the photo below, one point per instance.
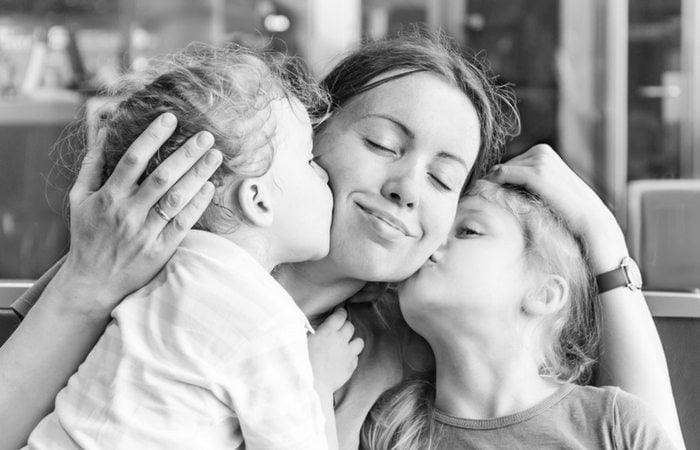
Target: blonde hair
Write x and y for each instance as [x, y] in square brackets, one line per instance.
[567, 341]
[224, 90]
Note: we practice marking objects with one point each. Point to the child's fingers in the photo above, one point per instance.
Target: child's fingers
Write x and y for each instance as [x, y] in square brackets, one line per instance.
[346, 331]
[175, 230]
[135, 159]
[356, 345]
[90, 173]
[336, 320]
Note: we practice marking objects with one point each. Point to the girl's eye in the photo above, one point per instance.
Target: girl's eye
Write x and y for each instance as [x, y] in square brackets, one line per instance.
[466, 232]
[380, 147]
[441, 184]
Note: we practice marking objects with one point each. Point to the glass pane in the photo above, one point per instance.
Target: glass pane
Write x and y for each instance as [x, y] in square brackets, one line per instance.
[520, 39]
[655, 97]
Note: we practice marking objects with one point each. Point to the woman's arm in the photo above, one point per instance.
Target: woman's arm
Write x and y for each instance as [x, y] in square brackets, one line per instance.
[118, 243]
[632, 356]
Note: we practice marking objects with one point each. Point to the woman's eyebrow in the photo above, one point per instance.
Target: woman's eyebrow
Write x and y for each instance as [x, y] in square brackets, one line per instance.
[395, 121]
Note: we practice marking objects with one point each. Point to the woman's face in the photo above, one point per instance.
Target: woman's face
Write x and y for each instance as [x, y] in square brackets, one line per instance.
[397, 157]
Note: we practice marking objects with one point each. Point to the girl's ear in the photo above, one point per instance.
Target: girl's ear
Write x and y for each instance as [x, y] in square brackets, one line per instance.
[255, 201]
[549, 298]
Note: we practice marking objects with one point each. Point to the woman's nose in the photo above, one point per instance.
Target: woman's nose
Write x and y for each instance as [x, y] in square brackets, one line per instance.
[403, 188]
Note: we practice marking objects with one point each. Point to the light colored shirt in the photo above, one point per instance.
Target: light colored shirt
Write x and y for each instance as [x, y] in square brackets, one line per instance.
[212, 353]
[575, 417]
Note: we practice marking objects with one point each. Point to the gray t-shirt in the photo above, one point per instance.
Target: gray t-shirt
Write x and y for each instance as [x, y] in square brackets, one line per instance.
[575, 417]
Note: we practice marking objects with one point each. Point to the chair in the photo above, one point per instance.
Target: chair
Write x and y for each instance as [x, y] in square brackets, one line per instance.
[677, 318]
[664, 232]
[9, 319]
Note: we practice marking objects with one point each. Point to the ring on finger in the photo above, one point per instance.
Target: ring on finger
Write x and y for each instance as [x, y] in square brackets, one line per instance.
[161, 213]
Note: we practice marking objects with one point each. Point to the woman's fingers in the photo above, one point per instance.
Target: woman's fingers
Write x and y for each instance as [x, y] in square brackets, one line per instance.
[176, 228]
[173, 183]
[134, 161]
[90, 174]
[541, 170]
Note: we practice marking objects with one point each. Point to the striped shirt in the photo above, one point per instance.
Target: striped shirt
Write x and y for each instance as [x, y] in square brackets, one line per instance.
[212, 353]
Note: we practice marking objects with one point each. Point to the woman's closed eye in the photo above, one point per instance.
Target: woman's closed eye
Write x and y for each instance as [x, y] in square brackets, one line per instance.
[439, 182]
[381, 148]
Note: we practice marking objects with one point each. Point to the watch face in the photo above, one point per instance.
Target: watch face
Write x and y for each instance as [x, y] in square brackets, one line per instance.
[634, 276]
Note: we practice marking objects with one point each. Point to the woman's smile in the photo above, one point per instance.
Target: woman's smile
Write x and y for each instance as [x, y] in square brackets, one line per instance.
[387, 225]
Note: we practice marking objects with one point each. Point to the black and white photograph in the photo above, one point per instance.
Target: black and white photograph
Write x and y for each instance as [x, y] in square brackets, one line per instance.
[349, 224]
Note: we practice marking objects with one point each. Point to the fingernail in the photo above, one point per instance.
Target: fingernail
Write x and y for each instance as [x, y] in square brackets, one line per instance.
[205, 139]
[213, 157]
[168, 119]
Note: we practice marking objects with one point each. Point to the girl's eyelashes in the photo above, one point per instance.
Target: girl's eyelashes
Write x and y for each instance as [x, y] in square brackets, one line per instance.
[466, 231]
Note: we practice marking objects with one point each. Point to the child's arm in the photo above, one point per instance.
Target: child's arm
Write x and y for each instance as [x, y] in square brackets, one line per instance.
[116, 247]
[632, 356]
[334, 355]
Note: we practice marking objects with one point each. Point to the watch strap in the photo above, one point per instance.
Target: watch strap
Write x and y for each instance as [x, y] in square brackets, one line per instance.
[613, 279]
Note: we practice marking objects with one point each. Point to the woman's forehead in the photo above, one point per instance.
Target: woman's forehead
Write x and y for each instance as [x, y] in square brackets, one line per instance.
[425, 102]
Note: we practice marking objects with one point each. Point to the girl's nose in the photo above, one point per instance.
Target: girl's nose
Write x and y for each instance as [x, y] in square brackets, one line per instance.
[437, 254]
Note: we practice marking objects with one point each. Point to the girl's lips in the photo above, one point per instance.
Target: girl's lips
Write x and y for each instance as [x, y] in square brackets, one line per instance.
[387, 218]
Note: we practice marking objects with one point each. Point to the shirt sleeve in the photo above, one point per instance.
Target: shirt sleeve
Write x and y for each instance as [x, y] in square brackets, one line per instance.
[26, 301]
[636, 425]
[271, 390]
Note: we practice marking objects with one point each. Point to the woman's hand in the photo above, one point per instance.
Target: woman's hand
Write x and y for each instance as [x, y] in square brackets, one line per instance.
[631, 354]
[118, 243]
[118, 239]
[334, 352]
[544, 173]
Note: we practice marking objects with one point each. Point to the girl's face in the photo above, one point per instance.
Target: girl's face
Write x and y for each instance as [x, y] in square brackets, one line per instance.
[478, 272]
[397, 157]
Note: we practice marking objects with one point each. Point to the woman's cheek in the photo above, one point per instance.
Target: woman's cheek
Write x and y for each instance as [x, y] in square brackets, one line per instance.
[440, 221]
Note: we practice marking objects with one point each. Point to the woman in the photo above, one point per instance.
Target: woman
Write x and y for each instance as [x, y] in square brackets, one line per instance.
[412, 123]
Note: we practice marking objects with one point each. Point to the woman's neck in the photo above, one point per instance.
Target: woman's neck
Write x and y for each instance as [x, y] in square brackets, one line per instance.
[479, 377]
[316, 286]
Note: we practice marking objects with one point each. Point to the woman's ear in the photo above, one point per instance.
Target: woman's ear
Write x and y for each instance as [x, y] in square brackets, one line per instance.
[255, 201]
[549, 298]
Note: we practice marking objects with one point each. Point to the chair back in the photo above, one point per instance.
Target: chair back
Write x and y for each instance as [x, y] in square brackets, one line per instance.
[10, 290]
[664, 232]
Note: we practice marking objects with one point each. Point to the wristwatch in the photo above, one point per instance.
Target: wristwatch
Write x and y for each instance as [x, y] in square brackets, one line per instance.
[627, 275]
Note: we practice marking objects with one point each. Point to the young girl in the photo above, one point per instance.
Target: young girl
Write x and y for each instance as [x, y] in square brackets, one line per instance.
[508, 305]
[212, 353]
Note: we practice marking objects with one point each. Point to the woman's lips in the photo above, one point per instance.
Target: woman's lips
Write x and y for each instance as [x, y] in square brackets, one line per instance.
[388, 219]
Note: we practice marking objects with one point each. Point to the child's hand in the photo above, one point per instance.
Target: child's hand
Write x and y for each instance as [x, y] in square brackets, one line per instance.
[334, 352]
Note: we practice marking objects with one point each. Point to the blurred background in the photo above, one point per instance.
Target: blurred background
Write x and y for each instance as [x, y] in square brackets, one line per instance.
[612, 85]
